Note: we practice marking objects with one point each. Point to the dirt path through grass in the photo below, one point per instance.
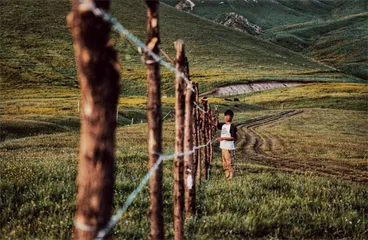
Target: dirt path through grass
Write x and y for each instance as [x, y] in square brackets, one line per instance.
[241, 88]
[254, 142]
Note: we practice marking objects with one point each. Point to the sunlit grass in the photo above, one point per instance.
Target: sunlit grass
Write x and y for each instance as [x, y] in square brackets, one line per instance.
[338, 95]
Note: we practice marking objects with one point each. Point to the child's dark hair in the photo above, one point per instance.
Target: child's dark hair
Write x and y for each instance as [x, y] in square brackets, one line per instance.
[229, 112]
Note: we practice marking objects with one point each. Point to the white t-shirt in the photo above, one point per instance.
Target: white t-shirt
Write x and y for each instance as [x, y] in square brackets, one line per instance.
[227, 130]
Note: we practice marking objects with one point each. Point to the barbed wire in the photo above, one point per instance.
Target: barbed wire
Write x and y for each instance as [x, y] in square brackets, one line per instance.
[200, 109]
[166, 116]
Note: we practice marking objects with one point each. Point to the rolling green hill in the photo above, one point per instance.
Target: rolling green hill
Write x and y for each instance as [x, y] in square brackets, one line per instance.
[333, 32]
[37, 50]
[341, 42]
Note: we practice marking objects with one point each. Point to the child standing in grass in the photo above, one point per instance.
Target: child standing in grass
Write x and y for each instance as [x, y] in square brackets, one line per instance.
[227, 143]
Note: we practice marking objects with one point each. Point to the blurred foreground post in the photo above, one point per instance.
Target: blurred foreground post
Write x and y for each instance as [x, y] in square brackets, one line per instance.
[156, 212]
[98, 74]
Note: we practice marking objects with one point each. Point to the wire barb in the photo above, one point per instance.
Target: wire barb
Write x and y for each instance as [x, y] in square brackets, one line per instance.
[196, 104]
[83, 226]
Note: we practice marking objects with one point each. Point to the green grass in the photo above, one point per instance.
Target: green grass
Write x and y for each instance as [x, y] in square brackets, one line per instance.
[18, 128]
[281, 206]
[37, 186]
[38, 173]
[38, 183]
[303, 137]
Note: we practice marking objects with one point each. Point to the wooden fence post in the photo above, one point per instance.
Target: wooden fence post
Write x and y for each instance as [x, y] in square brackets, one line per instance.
[179, 145]
[154, 122]
[98, 74]
[189, 170]
[210, 135]
[194, 131]
[205, 138]
[198, 137]
[215, 119]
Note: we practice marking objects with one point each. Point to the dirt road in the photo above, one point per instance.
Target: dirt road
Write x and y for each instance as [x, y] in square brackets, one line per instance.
[252, 150]
[241, 88]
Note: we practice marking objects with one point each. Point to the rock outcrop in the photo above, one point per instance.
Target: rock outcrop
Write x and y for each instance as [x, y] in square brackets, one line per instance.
[185, 5]
[239, 22]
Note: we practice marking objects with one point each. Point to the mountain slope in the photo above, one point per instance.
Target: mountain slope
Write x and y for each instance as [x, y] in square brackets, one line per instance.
[334, 32]
[37, 49]
[342, 43]
[271, 14]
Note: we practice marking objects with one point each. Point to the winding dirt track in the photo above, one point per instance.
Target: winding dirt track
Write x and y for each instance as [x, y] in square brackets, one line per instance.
[255, 143]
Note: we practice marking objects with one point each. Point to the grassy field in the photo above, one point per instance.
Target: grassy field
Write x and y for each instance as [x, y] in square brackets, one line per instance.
[39, 134]
[38, 173]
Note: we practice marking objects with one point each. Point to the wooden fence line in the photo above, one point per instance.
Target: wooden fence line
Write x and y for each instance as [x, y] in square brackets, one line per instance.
[191, 127]
[99, 96]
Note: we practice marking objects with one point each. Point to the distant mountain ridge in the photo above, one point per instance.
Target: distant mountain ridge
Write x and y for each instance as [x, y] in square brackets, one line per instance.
[334, 32]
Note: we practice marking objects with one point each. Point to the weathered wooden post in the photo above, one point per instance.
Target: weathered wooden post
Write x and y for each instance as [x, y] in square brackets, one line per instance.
[210, 134]
[98, 74]
[198, 156]
[215, 119]
[156, 210]
[205, 138]
[179, 145]
[189, 170]
[194, 130]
